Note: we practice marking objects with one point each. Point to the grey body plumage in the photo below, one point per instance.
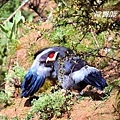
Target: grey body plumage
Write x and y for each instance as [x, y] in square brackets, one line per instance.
[76, 74]
[60, 63]
[41, 69]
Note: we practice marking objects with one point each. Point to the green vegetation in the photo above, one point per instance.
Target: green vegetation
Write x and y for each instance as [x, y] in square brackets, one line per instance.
[17, 73]
[3, 98]
[7, 9]
[3, 118]
[9, 42]
[50, 105]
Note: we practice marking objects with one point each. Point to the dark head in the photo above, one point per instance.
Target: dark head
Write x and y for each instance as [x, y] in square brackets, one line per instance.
[53, 53]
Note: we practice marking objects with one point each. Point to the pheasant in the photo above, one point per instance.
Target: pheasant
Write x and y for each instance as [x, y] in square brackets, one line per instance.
[60, 63]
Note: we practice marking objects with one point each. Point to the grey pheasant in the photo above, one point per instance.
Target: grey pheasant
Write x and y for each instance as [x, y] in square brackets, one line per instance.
[60, 63]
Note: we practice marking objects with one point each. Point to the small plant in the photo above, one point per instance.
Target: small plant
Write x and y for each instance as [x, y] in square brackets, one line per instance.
[49, 105]
[3, 97]
[4, 100]
[15, 77]
[17, 73]
[63, 34]
[7, 118]
[8, 8]
[3, 118]
[10, 30]
[8, 41]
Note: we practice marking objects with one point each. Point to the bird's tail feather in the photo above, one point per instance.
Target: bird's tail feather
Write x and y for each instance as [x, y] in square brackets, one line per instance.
[32, 82]
[95, 79]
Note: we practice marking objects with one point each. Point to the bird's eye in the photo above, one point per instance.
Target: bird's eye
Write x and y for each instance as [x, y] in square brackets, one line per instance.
[51, 55]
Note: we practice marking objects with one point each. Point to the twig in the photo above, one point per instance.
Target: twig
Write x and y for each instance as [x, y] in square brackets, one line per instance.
[116, 111]
[50, 15]
[22, 4]
[95, 38]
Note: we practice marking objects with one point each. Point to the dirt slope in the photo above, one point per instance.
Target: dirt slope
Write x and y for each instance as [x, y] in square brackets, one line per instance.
[86, 109]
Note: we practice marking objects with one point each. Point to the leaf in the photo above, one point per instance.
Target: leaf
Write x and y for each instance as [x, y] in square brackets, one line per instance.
[13, 31]
[18, 17]
[3, 28]
[30, 18]
[9, 26]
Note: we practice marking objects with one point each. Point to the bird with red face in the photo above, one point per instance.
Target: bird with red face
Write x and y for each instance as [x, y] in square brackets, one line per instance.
[42, 68]
[60, 63]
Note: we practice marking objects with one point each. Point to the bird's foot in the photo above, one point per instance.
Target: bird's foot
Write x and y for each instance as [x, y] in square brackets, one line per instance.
[81, 93]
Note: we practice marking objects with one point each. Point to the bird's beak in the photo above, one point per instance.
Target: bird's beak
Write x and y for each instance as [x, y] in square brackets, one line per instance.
[52, 59]
[47, 59]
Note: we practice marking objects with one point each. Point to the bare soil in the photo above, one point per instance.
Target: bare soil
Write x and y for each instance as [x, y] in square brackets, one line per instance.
[87, 109]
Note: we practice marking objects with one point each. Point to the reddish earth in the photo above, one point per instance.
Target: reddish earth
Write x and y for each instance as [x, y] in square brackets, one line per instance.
[86, 109]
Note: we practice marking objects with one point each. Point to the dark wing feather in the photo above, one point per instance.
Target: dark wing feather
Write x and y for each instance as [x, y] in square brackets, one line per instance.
[38, 84]
[32, 82]
[96, 79]
[78, 75]
[80, 86]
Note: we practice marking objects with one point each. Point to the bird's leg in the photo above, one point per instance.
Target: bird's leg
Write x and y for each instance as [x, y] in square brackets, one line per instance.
[73, 91]
[81, 92]
[63, 91]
